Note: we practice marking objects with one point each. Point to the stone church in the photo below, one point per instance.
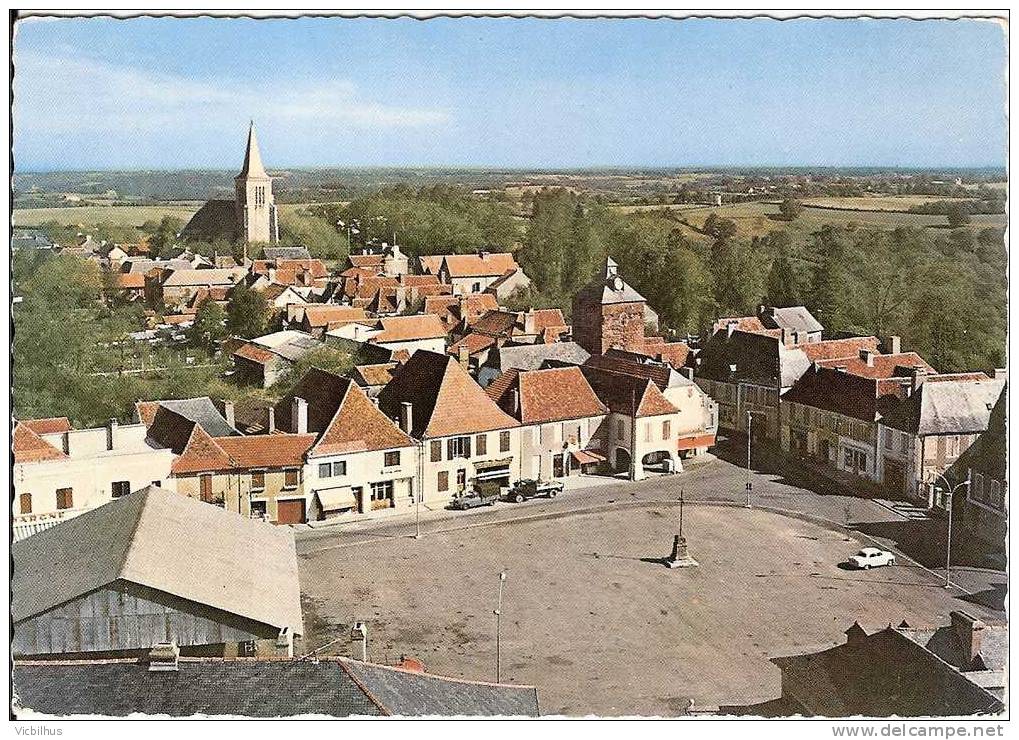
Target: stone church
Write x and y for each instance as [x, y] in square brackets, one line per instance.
[251, 216]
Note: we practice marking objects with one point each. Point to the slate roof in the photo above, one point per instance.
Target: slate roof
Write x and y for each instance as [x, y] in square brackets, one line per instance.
[608, 287]
[554, 394]
[444, 398]
[252, 166]
[533, 356]
[289, 253]
[201, 411]
[886, 674]
[341, 416]
[332, 687]
[793, 318]
[216, 219]
[168, 542]
[950, 407]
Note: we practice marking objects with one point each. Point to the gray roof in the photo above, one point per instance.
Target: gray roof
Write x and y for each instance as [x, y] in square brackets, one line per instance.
[203, 412]
[608, 287]
[286, 253]
[947, 407]
[794, 318]
[216, 276]
[168, 542]
[334, 687]
[532, 356]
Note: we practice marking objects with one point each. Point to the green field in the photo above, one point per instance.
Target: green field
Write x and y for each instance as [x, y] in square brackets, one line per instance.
[758, 219]
[92, 215]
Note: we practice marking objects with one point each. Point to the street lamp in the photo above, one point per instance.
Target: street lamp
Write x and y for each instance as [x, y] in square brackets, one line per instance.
[498, 630]
[750, 484]
[950, 490]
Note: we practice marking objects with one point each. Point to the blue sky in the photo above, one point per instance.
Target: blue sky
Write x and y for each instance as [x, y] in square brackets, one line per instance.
[157, 93]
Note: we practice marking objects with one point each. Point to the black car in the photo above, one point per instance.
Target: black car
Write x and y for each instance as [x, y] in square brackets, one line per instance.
[474, 499]
[527, 488]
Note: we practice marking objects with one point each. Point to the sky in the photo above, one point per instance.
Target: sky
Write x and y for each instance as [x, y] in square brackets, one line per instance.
[176, 93]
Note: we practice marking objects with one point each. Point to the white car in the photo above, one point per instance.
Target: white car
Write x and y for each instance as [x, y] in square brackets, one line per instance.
[871, 557]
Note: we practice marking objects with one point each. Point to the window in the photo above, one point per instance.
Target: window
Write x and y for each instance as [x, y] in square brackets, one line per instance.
[382, 495]
[25, 502]
[888, 437]
[442, 482]
[325, 470]
[666, 429]
[458, 447]
[620, 429]
[257, 480]
[476, 288]
[647, 432]
[157, 483]
[392, 459]
[290, 478]
[504, 441]
[65, 498]
[903, 442]
[481, 444]
[437, 451]
[258, 510]
[855, 460]
[121, 488]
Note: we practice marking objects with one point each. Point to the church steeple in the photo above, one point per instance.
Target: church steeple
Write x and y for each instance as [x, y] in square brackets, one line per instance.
[252, 157]
[255, 206]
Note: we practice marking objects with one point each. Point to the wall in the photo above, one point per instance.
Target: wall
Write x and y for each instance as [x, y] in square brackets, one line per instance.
[430, 470]
[233, 489]
[363, 469]
[541, 443]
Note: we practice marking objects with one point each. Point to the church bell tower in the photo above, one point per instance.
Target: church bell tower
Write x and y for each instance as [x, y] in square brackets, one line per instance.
[256, 207]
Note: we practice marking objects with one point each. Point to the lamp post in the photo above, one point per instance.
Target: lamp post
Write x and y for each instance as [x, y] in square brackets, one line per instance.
[498, 631]
[417, 515]
[950, 490]
[750, 484]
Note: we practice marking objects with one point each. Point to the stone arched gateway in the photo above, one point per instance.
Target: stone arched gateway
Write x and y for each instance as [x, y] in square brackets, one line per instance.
[659, 461]
[621, 460]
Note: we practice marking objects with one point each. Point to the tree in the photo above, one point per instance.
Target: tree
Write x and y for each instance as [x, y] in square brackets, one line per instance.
[783, 285]
[208, 326]
[790, 208]
[722, 229]
[163, 240]
[738, 274]
[831, 279]
[247, 312]
[957, 215]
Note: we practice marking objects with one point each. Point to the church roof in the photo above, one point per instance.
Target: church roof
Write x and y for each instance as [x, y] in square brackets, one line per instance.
[608, 287]
[252, 157]
[217, 219]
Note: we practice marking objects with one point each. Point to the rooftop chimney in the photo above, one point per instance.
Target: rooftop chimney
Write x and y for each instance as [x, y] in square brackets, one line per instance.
[406, 416]
[867, 355]
[463, 355]
[969, 633]
[730, 328]
[916, 375]
[686, 372]
[787, 337]
[164, 656]
[270, 420]
[529, 323]
[856, 635]
[111, 433]
[226, 408]
[299, 416]
[891, 345]
[514, 399]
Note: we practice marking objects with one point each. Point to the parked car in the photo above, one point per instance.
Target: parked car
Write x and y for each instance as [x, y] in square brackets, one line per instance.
[527, 488]
[474, 499]
[871, 557]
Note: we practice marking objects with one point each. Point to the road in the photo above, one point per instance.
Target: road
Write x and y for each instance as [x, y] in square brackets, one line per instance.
[713, 481]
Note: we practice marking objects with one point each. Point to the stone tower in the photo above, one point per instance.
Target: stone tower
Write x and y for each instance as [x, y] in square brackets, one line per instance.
[256, 207]
[609, 314]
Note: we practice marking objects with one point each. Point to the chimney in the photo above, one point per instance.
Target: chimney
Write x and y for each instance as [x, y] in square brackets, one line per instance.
[164, 656]
[529, 324]
[1000, 373]
[406, 416]
[891, 345]
[227, 409]
[514, 399]
[111, 433]
[867, 355]
[969, 633]
[686, 372]
[483, 254]
[730, 328]
[66, 440]
[916, 375]
[787, 337]
[270, 420]
[299, 416]
[463, 355]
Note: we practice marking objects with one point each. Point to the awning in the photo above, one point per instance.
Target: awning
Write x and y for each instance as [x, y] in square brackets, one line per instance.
[336, 499]
[492, 469]
[690, 443]
[489, 464]
[587, 457]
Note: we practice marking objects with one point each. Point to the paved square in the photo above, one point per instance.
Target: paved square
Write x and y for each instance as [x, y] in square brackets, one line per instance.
[597, 626]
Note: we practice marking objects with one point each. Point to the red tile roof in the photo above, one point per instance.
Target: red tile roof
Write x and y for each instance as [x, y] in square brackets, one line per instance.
[326, 315]
[882, 366]
[491, 264]
[554, 394]
[267, 451]
[48, 425]
[30, 447]
[127, 280]
[743, 323]
[254, 353]
[627, 394]
[674, 353]
[830, 349]
[378, 374]
[444, 398]
[409, 328]
[473, 342]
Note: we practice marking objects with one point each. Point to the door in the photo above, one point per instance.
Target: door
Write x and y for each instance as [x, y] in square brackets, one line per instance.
[205, 487]
[290, 512]
[558, 470]
[895, 476]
